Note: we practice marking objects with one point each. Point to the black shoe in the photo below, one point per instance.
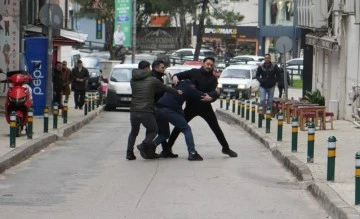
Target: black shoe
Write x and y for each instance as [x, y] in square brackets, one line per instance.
[229, 152]
[150, 151]
[141, 148]
[130, 155]
[194, 156]
[168, 154]
[76, 107]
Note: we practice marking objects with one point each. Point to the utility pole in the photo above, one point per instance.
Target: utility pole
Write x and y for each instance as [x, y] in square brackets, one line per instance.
[49, 85]
[133, 41]
[200, 30]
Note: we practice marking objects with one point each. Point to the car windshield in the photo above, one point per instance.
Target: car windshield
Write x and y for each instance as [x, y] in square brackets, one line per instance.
[121, 75]
[90, 62]
[236, 73]
[207, 53]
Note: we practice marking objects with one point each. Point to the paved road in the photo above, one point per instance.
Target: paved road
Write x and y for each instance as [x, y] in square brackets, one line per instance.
[87, 176]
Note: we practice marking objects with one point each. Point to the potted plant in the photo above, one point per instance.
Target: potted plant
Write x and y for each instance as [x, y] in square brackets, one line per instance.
[315, 97]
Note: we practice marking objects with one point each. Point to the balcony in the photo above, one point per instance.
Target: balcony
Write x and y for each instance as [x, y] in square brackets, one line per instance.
[313, 14]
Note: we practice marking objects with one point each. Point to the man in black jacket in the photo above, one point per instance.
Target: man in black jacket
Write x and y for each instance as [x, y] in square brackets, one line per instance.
[267, 75]
[205, 81]
[80, 76]
[57, 83]
[169, 110]
[142, 110]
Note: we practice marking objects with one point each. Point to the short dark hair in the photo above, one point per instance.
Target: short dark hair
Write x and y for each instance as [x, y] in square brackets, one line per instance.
[156, 63]
[143, 64]
[209, 58]
[267, 54]
[79, 61]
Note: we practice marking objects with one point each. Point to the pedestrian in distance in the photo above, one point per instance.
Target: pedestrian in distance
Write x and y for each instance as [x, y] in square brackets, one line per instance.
[142, 109]
[169, 110]
[80, 74]
[66, 80]
[206, 82]
[281, 81]
[267, 74]
[57, 83]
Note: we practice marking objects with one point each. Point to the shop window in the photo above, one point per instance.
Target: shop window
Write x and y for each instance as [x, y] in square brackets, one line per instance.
[279, 12]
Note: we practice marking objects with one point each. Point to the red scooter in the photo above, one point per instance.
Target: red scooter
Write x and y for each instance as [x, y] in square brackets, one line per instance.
[18, 98]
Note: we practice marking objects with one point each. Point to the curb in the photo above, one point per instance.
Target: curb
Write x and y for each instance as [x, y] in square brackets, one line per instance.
[32, 147]
[324, 194]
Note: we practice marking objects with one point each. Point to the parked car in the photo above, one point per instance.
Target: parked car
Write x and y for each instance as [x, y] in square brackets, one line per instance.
[246, 59]
[198, 64]
[94, 78]
[187, 54]
[118, 92]
[172, 70]
[238, 79]
[295, 66]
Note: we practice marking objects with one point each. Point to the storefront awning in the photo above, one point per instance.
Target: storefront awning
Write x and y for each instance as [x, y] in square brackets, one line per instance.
[63, 37]
[321, 41]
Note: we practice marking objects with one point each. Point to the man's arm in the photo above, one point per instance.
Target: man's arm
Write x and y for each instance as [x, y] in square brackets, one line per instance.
[166, 88]
[258, 74]
[182, 76]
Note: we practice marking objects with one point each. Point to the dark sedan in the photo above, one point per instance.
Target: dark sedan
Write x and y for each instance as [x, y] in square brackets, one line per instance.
[94, 78]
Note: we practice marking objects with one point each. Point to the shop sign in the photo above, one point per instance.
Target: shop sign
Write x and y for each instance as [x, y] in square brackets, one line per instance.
[225, 31]
[158, 38]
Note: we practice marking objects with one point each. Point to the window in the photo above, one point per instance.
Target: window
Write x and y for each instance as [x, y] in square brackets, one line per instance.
[121, 75]
[279, 12]
[236, 73]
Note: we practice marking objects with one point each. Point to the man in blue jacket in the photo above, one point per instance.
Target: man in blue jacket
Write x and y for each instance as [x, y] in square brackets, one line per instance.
[169, 110]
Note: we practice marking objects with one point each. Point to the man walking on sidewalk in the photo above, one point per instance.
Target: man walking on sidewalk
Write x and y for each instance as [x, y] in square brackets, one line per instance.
[142, 109]
[205, 81]
[80, 76]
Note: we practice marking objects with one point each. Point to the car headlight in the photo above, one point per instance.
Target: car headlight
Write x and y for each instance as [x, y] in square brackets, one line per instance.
[219, 86]
[241, 86]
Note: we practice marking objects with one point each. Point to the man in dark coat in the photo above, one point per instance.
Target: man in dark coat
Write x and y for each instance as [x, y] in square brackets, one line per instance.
[206, 82]
[57, 83]
[281, 81]
[142, 110]
[80, 76]
[267, 75]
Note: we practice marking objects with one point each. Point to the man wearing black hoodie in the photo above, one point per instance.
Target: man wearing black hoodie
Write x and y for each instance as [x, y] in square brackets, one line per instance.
[205, 81]
[142, 110]
[267, 75]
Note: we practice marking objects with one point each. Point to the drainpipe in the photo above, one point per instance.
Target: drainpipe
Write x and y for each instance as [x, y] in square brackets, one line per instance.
[66, 13]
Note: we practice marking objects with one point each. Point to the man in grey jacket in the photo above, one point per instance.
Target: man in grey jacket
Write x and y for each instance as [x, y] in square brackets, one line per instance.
[142, 110]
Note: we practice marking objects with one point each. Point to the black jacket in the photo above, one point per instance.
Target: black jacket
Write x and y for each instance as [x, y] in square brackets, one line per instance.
[143, 87]
[175, 101]
[158, 93]
[204, 81]
[83, 74]
[281, 78]
[267, 75]
[57, 81]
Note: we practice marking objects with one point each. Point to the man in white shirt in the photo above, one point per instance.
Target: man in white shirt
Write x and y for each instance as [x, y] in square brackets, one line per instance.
[119, 36]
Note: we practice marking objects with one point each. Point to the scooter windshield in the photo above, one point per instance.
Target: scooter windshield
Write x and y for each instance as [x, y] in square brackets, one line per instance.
[23, 69]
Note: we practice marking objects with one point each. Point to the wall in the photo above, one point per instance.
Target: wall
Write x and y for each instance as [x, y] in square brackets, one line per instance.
[88, 26]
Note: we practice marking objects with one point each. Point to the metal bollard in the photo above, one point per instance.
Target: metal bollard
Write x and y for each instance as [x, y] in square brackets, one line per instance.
[65, 111]
[55, 115]
[247, 105]
[86, 106]
[268, 120]
[311, 141]
[89, 103]
[46, 119]
[331, 158]
[227, 102]
[233, 104]
[221, 101]
[93, 99]
[357, 178]
[253, 104]
[294, 130]
[12, 129]
[239, 106]
[242, 108]
[280, 125]
[260, 116]
[256, 97]
[97, 100]
[29, 130]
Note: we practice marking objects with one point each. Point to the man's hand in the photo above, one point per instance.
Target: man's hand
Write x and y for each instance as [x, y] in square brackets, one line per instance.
[175, 79]
[206, 98]
[180, 92]
[218, 91]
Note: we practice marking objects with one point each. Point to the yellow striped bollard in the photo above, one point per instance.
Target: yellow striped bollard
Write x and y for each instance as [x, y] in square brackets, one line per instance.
[357, 178]
[29, 129]
[331, 158]
[12, 129]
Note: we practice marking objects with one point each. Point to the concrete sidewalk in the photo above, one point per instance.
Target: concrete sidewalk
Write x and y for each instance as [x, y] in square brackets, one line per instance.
[27, 147]
[337, 197]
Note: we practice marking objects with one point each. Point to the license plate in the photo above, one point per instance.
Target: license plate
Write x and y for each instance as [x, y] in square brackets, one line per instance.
[125, 98]
[229, 90]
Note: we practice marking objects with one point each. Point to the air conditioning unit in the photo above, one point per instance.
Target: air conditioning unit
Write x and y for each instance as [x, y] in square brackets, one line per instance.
[349, 6]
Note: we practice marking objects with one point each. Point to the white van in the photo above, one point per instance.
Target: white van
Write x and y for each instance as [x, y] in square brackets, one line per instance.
[119, 93]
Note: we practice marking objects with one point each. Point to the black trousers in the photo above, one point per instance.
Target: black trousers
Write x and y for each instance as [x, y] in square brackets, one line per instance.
[281, 89]
[79, 97]
[208, 114]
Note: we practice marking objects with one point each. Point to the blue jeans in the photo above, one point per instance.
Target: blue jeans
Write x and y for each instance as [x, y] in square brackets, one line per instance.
[164, 116]
[270, 96]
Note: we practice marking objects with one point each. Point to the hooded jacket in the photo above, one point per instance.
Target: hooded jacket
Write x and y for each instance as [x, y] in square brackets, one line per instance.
[204, 81]
[143, 87]
[267, 75]
[175, 101]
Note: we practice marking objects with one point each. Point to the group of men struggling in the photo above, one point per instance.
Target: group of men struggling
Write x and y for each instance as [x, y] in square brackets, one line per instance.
[155, 105]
